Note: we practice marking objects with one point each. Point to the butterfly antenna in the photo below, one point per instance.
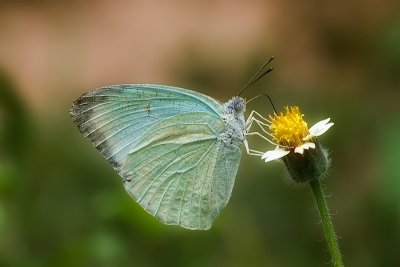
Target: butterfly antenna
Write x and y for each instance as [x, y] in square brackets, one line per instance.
[257, 96]
[270, 100]
[254, 79]
[272, 103]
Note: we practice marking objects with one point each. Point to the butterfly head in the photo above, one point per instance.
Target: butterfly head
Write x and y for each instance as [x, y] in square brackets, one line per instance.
[236, 105]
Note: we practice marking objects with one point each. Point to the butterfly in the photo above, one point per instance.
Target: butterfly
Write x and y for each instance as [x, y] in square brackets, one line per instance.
[176, 150]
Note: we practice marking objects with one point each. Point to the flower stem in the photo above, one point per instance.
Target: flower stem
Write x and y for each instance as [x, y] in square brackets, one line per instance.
[329, 232]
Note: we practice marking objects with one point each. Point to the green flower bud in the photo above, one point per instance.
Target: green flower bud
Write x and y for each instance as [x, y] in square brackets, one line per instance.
[312, 164]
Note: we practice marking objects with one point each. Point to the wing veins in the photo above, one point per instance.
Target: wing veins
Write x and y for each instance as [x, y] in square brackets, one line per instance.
[159, 129]
[155, 160]
[136, 118]
[143, 176]
[193, 186]
[108, 112]
[173, 196]
[162, 197]
[184, 172]
[201, 194]
[182, 200]
[175, 159]
[117, 118]
[194, 177]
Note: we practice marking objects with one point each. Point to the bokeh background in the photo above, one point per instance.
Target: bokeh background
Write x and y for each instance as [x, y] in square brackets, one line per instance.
[61, 204]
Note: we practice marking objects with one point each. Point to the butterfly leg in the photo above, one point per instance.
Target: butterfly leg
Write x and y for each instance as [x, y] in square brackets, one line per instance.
[262, 125]
[251, 119]
[263, 137]
[261, 122]
[251, 152]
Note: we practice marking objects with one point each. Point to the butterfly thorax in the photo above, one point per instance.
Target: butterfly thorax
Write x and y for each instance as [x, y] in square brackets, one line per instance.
[234, 119]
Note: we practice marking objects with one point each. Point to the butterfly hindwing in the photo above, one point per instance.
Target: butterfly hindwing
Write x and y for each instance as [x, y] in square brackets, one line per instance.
[180, 172]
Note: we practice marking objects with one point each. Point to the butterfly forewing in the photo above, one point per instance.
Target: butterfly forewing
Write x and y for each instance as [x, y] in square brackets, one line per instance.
[114, 117]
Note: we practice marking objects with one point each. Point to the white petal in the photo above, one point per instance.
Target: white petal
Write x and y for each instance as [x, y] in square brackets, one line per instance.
[319, 128]
[308, 145]
[300, 149]
[274, 154]
[323, 129]
[318, 125]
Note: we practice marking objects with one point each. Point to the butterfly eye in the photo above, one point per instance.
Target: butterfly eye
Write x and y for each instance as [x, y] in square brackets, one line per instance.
[239, 107]
[238, 104]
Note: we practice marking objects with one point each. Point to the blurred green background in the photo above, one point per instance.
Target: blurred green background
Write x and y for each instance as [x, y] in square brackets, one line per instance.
[61, 204]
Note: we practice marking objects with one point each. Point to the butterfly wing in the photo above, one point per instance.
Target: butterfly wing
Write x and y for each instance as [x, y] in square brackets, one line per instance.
[180, 172]
[164, 142]
[114, 117]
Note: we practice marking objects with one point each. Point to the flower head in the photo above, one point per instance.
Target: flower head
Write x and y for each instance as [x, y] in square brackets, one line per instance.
[290, 132]
[296, 144]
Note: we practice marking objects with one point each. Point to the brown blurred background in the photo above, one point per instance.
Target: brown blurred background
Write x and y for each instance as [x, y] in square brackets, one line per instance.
[61, 204]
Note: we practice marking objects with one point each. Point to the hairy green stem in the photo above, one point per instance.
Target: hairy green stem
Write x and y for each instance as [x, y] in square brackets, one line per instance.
[329, 232]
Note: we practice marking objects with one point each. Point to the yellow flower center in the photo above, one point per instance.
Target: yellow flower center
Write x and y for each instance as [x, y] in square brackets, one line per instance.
[289, 129]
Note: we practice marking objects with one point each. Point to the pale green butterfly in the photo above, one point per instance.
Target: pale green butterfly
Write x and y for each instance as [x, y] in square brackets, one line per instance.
[177, 151]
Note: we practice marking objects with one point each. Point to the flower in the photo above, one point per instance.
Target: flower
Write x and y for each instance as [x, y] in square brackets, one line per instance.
[291, 134]
[295, 144]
